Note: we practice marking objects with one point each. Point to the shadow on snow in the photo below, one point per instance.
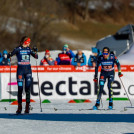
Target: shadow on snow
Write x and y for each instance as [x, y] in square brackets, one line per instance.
[129, 118]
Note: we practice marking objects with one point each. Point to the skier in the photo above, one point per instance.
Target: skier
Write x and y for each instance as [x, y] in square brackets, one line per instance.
[79, 60]
[23, 53]
[5, 60]
[47, 60]
[64, 58]
[107, 61]
[93, 58]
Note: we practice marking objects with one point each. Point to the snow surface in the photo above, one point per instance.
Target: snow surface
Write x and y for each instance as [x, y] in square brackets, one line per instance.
[68, 119]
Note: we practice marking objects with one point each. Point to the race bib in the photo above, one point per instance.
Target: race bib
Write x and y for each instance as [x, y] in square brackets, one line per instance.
[25, 57]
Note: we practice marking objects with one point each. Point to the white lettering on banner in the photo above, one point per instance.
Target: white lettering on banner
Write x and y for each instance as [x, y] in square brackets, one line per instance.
[132, 68]
[65, 68]
[6, 69]
[50, 69]
[71, 85]
[59, 68]
[1, 69]
[33, 68]
[13, 69]
[124, 68]
[83, 68]
[41, 68]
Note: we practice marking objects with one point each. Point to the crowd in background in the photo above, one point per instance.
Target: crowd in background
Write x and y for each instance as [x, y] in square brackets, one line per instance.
[66, 57]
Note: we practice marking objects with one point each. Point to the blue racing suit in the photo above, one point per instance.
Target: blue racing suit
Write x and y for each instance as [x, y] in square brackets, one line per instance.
[23, 70]
[107, 72]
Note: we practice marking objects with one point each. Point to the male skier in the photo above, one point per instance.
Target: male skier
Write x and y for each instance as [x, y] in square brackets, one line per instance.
[107, 61]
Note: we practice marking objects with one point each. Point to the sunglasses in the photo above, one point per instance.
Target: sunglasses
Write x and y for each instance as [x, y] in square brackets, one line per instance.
[105, 53]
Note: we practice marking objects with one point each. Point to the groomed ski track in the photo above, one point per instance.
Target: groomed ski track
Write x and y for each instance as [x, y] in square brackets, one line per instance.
[68, 119]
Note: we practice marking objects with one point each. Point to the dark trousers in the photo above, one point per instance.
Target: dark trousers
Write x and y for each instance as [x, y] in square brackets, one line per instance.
[109, 75]
[24, 73]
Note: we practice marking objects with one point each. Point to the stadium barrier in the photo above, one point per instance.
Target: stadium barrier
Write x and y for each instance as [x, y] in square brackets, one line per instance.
[65, 82]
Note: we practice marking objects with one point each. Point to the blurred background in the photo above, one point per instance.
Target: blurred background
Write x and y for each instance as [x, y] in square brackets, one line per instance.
[51, 23]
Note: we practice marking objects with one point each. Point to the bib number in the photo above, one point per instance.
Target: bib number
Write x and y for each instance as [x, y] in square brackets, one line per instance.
[25, 57]
[107, 67]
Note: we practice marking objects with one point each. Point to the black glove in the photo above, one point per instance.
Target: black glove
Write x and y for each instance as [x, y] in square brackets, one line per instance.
[35, 49]
[95, 79]
[120, 74]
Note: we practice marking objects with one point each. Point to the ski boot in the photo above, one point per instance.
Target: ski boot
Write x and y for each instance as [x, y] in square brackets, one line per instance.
[27, 109]
[110, 104]
[19, 108]
[96, 105]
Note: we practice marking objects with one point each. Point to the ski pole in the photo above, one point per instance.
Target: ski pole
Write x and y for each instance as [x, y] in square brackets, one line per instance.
[10, 84]
[101, 103]
[125, 91]
[38, 87]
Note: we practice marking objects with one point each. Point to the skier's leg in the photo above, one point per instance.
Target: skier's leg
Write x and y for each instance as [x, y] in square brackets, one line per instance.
[20, 79]
[28, 80]
[101, 86]
[20, 88]
[110, 82]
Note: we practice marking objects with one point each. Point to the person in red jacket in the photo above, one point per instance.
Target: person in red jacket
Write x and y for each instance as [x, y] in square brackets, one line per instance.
[64, 58]
[47, 60]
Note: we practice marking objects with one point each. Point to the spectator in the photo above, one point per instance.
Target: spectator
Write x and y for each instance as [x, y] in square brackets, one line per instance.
[64, 58]
[47, 59]
[5, 60]
[1, 58]
[79, 59]
[93, 58]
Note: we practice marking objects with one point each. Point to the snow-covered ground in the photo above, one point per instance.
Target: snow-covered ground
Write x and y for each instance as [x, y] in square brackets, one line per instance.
[85, 44]
[68, 119]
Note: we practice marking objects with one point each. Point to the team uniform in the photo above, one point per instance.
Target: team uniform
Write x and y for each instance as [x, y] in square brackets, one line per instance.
[23, 70]
[107, 72]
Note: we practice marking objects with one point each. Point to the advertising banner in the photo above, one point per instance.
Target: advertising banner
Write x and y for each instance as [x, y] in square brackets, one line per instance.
[66, 82]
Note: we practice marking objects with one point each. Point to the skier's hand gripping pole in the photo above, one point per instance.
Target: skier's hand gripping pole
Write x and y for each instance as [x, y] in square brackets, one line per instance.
[95, 80]
[120, 74]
